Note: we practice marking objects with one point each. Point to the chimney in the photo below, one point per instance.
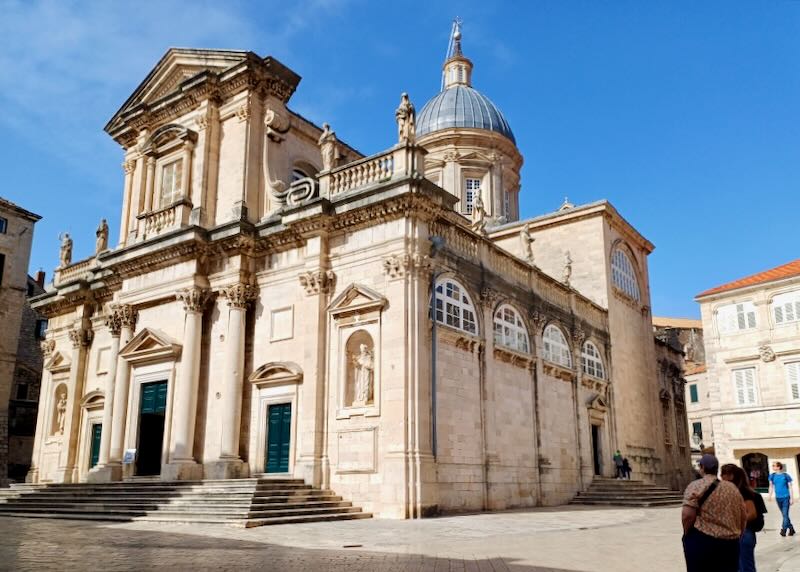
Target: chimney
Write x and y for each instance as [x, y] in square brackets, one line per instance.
[40, 278]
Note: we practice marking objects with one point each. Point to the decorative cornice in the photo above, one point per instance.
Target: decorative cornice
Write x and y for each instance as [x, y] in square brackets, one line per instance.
[318, 281]
[194, 299]
[514, 358]
[240, 295]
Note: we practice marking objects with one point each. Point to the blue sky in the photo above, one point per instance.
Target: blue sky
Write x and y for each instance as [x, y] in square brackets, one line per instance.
[683, 114]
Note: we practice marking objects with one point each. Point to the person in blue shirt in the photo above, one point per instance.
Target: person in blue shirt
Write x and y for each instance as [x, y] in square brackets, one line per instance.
[780, 484]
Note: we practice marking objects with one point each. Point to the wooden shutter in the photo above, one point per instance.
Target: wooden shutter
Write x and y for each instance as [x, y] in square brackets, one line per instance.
[745, 386]
[793, 376]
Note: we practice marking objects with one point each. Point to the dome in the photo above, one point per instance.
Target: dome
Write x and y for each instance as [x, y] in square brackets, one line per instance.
[462, 106]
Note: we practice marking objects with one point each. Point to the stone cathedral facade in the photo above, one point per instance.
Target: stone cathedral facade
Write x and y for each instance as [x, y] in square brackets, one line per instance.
[384, 326]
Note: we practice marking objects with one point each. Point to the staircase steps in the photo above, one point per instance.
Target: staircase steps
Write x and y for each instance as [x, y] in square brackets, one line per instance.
[621, 492]
[240, 502]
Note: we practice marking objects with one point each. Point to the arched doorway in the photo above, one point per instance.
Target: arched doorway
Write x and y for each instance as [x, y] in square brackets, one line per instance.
[756, 465]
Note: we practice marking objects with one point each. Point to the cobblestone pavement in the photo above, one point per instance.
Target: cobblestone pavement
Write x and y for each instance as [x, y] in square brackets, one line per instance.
[555, 540]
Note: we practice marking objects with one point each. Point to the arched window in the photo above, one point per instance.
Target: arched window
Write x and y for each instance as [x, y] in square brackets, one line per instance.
[591, 362]
[509, 329]
[623, 274]
[556, 348]
[454, 307]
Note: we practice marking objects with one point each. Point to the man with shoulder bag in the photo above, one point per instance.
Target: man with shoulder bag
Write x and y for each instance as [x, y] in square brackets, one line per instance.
[713, 517]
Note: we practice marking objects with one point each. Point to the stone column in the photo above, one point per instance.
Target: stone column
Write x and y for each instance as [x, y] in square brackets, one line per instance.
[81, 338]
[182, 465]
[186, 187]
[48, 346]
[149, 199]
[127, 317]
[230, 465]
[578, 337]
[127, 201]
[100, 473]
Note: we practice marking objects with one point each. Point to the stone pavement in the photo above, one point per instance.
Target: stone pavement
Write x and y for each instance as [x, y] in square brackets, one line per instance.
[562, 539]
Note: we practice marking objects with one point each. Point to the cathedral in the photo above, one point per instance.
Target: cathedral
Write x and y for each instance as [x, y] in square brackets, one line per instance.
[384, 326]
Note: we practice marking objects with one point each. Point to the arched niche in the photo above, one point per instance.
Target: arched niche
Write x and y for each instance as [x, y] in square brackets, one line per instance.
[59, 416]
[360, 370]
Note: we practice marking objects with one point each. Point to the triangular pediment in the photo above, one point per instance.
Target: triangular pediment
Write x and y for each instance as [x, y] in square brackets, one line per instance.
[174, 68]
[150, 345]
[357, 299]
[474, 157]
[57, 362]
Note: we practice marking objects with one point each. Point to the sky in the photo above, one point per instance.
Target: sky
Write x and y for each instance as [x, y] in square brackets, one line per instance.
[683, 114]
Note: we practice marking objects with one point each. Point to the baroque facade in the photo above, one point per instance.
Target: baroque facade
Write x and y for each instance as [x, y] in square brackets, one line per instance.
[16, 238]
[383, 326]
[752, 340]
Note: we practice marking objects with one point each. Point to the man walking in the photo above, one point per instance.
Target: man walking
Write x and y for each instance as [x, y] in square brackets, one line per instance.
[618, 464]
[713, 519]
[780, 484]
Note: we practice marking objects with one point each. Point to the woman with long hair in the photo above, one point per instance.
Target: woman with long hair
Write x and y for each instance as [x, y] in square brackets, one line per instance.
[755, 515]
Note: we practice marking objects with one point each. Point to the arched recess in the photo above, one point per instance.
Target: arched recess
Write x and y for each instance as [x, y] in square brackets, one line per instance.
[454, 306]
[556, 348]
[625, 272]
[592, 360]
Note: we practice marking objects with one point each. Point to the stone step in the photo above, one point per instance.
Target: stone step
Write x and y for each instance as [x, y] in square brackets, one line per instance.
[627, 502]
[167, 512]
[94, 506]
[299, 518]
[123, 489]
[245, 499]
[603, 494]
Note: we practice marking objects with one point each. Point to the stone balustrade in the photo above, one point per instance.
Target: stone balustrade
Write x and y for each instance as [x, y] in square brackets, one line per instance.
[164, 219]
[401, 160]
[78, 271]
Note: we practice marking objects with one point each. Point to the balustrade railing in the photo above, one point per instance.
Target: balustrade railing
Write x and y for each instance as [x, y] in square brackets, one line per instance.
[156, 222]
[362, 173]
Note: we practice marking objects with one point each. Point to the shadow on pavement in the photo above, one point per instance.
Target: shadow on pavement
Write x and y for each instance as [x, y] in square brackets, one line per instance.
[34, 544]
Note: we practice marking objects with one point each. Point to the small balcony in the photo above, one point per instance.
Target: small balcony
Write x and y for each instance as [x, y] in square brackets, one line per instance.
[163, 220]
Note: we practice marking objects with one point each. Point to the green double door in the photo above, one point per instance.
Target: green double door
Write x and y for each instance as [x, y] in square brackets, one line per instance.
[97, 432]
[279, 425]
[151, 428]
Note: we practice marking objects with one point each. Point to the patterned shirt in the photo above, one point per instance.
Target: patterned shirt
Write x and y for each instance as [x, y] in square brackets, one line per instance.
[722, 514]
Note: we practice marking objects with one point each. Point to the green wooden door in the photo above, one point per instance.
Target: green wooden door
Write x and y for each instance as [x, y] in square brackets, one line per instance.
[279, 424]
[151, 428]
[97, 431]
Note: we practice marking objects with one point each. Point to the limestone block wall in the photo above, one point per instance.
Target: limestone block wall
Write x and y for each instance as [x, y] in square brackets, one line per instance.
[560, 465]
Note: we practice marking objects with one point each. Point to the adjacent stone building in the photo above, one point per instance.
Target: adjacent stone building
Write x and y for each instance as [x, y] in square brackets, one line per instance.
[752, 341]
[16, 237]
[383, 326]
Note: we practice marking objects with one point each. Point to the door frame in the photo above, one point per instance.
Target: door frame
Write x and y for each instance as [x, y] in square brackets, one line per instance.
[260, 419]
[140, 376]
[92, 405]
[266, 436]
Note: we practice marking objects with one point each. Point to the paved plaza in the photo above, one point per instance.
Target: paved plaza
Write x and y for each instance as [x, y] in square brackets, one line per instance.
[559, 539]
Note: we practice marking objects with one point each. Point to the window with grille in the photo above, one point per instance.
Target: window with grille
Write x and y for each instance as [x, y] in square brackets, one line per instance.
[693, 397]
[793, 379]
[744, 386]
[591, 362]
[736, 317]
[786, 307]
[472, 188]
[3, 225]
[556, 348]
[623, 275]
[454, 307]
[509, 329]
[171, 179]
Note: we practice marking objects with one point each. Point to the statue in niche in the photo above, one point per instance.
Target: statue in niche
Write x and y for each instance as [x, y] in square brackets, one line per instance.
[101, 243]
[527, 243]
[406, 120]
[65, 255]
[327, 145]
[479, 216]
[61, 412]
[364, 365]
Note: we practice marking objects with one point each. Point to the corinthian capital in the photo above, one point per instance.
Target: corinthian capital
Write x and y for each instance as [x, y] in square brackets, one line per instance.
[81, 337]
[48, 346]
[319, 281]
[122, 316]
[240, 295]
[194, 299]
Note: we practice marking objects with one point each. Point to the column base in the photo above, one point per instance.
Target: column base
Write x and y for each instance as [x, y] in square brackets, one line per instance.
[32, 476]
[185, 470]
[105, 473]
[226, 469]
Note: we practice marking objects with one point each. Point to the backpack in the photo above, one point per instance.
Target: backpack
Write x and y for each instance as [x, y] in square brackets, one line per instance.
[757, 525]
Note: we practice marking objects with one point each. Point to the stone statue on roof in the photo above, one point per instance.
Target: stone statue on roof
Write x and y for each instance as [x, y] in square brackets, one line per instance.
[101, 243]
[527, 243]
[406, 120]
[65, 254]
[327, 146]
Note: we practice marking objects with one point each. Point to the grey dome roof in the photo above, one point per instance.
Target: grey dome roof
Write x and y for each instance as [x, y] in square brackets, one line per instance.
[462, 106]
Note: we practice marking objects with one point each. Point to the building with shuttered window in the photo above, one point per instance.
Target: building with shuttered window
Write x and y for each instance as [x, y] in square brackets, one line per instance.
[752, 341]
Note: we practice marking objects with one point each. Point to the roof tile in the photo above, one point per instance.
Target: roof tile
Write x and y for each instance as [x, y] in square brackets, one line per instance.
[787, 270]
